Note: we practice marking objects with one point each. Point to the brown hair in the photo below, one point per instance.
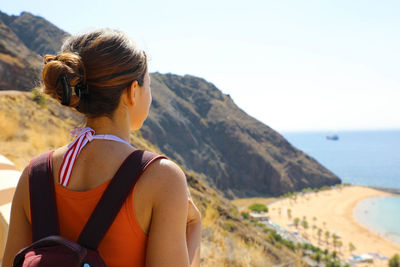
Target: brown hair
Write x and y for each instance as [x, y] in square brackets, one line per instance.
[104, 60]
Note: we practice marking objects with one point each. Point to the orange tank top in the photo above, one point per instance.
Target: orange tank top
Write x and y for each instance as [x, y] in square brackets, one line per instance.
[125, 242]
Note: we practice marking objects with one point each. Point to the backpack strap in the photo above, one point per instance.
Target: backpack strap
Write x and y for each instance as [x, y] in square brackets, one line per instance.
[44, 216]
[114, 197]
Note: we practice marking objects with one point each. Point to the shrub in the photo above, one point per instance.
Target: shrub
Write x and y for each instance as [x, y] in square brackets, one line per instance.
[277, 237]
[334, 263]
[258, 207]
[39, 98]
[228, 226]
[317, 257]
[245, 215]
[289, 244]
[234, 211]
[394, 261]
[325, 187]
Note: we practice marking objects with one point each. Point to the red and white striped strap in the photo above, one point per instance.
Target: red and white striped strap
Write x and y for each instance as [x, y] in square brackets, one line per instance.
[84, 136]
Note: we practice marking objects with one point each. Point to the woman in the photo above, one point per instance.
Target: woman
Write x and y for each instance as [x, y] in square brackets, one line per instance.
[103, 75]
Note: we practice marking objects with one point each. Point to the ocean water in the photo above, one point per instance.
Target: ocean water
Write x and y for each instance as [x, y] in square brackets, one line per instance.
[366, 157]
[381, 214]
[369, 158]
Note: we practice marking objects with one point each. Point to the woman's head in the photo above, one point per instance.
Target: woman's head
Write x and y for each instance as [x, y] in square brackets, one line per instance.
[98, 66]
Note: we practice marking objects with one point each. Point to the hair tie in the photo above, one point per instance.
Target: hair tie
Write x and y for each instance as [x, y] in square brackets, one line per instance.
[66, 91]
[79, 90]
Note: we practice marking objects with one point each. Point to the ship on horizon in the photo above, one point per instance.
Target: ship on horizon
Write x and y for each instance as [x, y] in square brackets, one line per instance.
[333, 137]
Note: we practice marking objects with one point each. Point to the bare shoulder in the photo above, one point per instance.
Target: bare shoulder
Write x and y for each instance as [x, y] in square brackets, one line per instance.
[165, 171]
[165, 177]
[167, 235]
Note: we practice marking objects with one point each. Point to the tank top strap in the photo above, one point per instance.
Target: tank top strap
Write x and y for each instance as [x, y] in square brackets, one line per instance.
[83, 136]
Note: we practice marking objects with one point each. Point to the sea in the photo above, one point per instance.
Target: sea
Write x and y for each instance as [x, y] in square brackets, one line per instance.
[370, 158]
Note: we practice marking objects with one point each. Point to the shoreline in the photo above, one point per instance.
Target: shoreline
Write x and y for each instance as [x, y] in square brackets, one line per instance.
[332, 211]
[360, 214]
[394, 191]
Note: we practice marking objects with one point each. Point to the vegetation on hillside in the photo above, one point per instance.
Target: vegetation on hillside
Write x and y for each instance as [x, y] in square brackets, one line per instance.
[394, 261]
[258, 207]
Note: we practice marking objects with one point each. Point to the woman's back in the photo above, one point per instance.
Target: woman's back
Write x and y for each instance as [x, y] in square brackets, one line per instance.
[97, 164]
[125, 242]
[104, 76]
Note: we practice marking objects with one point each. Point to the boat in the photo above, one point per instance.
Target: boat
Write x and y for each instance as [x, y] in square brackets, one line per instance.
[333, 137]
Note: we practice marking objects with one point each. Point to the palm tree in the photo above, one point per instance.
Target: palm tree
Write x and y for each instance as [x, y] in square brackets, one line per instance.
[304, 223]
[317, 256]
[296, 222]
[394, 261]
[334, 239]
[319, 233]
[289, 213]
[351, 248]
[334, 254]
[327, 237]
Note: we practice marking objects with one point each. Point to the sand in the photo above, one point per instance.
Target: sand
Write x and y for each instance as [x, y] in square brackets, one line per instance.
[332, 211]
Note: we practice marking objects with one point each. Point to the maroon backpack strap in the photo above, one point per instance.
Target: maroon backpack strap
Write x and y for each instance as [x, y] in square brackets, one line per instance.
[114, 197]
[44, 216]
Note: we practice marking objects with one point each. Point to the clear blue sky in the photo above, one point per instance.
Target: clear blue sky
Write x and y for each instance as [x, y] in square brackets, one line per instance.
[294, 65]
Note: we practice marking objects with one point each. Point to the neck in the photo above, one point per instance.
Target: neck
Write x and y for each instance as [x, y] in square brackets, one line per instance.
[105, 125]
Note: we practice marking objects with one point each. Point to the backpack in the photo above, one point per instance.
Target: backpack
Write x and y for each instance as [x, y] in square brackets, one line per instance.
[51, 249]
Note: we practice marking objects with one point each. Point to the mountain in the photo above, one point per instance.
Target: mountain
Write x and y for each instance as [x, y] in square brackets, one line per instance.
[19, 66]
[194, 123]
[35, 32]
[23, 39]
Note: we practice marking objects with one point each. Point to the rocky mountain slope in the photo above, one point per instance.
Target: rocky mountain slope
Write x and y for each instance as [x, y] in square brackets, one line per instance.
[191, 121]
[35, 32]
[19, 66]
[23, 39]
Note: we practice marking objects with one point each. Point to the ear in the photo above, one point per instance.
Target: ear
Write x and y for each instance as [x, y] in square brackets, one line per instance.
[132, 93]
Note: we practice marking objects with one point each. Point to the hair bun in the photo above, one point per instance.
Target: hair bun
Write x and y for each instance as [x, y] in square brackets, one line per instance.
[68, 64]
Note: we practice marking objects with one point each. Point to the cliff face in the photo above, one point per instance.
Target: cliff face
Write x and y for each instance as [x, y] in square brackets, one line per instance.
[35, 32]
[193, 122]
[22, 40]
[19, 66]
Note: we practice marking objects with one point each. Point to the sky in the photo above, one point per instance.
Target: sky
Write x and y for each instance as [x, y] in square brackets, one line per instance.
[326, 65]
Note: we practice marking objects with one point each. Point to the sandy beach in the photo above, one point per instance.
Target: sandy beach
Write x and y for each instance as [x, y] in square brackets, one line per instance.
[332, 211]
